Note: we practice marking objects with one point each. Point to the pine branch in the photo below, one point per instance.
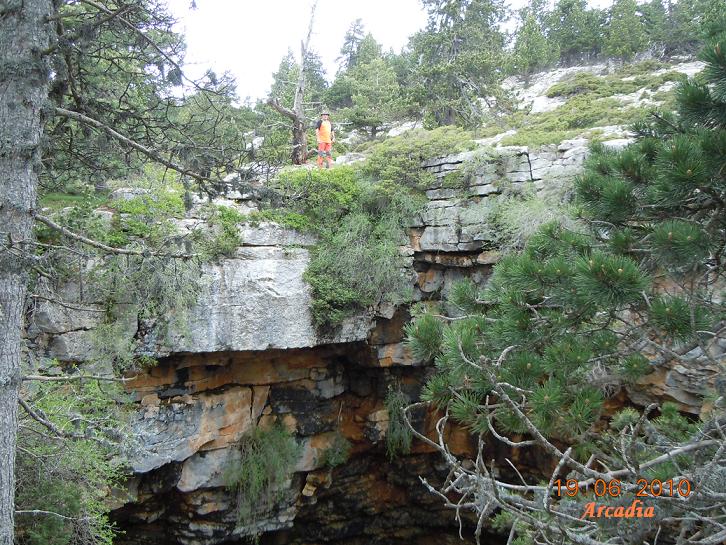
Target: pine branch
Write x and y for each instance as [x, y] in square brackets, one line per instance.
[74, 378]
[109, 249]
[49, 513]
[150, 153]
[151, 42]
[47, 423]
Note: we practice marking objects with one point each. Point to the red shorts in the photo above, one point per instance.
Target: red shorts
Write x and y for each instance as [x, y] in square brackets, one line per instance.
[324, 148]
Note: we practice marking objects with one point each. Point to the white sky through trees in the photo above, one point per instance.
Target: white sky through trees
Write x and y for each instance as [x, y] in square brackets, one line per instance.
[249, 37]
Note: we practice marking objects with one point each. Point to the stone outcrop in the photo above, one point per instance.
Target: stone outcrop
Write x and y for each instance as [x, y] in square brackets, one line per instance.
[254, 300]
[462, 197]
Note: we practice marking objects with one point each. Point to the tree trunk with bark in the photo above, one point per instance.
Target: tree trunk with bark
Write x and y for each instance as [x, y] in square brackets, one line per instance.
[297, 113]
[23, 90]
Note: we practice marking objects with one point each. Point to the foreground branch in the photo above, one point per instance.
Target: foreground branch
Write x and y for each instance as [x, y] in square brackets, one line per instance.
[106, 248]
[150, 153]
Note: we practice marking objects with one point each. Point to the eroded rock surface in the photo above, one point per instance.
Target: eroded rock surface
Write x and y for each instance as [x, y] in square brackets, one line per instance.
[251, 356]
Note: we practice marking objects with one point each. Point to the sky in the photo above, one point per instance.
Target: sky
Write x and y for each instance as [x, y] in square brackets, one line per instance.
[250, 37]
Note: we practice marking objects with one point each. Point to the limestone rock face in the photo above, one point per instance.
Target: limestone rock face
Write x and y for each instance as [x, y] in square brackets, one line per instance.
[255, 300]
[456, 217]
[174, 430]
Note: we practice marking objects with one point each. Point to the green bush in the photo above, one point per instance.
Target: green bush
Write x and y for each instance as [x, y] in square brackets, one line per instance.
[224, 238]
[581, 82]
[159, 204]
[323, 196]
[268, 459]
[517, 219]
[640, 68]
[360, 224]
[399, 435]
[354, 267]
[338, 452]
[291, 220]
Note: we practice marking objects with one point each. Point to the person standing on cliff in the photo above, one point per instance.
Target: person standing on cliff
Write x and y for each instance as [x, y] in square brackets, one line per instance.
[325, 136]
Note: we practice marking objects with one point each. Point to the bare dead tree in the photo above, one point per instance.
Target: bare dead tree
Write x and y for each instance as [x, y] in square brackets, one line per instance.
[297, 113]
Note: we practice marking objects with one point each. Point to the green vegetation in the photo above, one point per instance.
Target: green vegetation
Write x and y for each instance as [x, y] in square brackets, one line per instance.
[57, 200]
[338, 452]
[398, 160]
[517, 218]
[224, 237]
[69, 477]
[267, 461]
[361, 222]
[658, 205]
[538, 137]
[570, 119]
[626, 34]
[134, 287]
[605, 86]
[533, 50]
[590, 103]
[398, 436]
[291, 220]
[565, 322]
[445, 82]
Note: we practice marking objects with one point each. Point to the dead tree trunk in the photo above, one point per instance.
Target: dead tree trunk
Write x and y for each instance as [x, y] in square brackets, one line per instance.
[23, 89]
[297, 113]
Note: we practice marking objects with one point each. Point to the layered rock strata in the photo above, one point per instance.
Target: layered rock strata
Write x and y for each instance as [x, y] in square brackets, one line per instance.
[251, 356]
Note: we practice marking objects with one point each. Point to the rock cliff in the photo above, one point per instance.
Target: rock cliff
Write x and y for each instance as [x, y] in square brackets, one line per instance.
[251, 356]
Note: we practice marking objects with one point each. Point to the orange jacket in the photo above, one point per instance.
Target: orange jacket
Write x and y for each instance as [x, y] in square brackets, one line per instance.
[324, 132]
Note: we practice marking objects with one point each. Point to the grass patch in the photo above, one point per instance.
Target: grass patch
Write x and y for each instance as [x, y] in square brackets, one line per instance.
[57, 200]
[398, 160]
[535, 137]
[291, 220]
[570, 119]
[594, 86]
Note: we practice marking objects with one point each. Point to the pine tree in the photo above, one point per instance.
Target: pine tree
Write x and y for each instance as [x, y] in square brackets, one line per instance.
[580, 314]
[626, 34]
[459, 58]
[655, 19]
[351, 43]
[375, 95]
[576, 29]
[533, 50]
